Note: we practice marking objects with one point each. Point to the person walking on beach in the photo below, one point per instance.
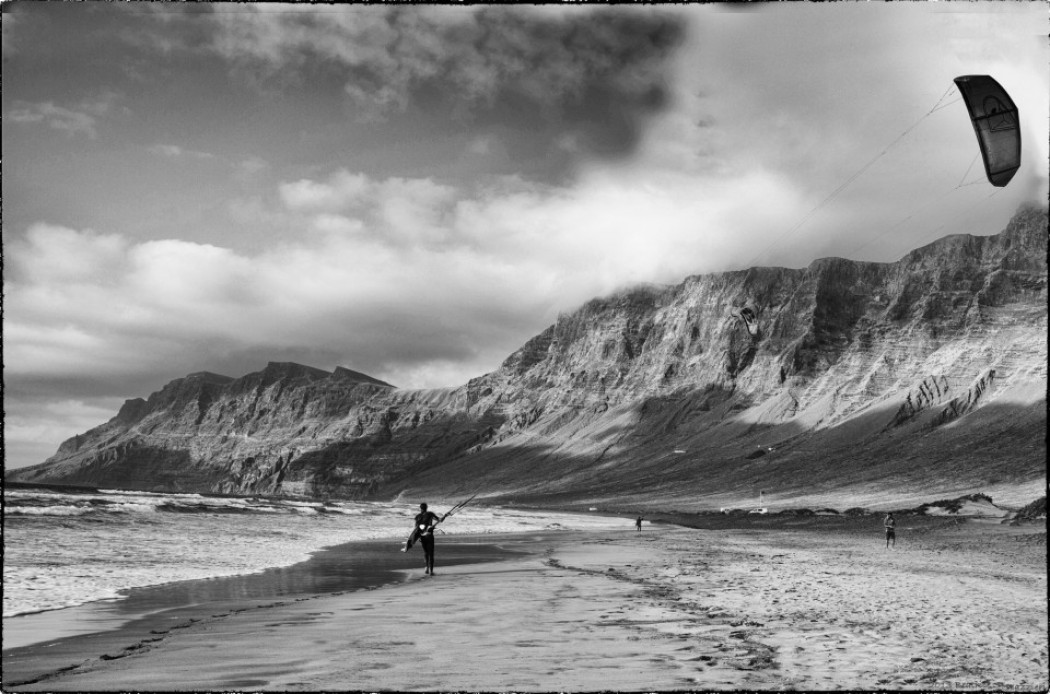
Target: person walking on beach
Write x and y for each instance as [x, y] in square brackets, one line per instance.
[638, 524]
[891, 525]
[426, 521]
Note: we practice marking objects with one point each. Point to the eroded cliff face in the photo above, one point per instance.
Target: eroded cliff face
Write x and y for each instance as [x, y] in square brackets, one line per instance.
[841, 376]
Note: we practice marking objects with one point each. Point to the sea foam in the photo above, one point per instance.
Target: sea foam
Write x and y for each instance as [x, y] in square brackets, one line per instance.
[66, 549]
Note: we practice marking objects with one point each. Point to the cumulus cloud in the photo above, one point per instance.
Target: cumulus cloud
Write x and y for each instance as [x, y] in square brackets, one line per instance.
[404, 210]
[55, 254]
[342, 190]
[414, 281]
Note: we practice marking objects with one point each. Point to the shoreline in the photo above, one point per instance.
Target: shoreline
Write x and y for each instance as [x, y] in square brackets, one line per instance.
[953, 606]
[52, 569]
[54, 639]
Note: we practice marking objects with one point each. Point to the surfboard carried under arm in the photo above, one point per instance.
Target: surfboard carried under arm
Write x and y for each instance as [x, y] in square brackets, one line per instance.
[413, 538]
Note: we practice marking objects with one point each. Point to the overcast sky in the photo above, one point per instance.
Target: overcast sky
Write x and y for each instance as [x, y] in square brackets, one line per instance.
[413, 192]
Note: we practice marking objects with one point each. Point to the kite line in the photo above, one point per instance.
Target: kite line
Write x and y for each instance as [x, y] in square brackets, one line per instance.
[805, 218]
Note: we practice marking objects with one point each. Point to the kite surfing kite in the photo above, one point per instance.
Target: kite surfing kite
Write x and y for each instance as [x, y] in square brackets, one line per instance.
[996, 124]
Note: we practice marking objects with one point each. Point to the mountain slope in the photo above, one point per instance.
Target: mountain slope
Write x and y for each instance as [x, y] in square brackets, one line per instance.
[845, 380]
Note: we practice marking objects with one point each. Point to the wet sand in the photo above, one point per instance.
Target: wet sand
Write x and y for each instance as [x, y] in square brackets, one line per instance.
[40, 643]
[812, 604]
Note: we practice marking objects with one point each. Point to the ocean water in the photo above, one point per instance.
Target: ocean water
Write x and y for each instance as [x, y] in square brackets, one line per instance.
[63, 549]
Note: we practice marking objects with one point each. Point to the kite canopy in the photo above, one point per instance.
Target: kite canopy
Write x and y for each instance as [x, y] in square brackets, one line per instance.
[996, 124]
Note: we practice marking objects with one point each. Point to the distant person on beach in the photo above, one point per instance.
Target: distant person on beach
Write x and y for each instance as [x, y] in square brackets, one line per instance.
[890, 524]
[426, 521]
[638, 524]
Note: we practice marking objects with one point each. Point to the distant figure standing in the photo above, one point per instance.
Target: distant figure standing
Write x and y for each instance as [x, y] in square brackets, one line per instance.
[423, 531]
[891, 525]
[638, 524]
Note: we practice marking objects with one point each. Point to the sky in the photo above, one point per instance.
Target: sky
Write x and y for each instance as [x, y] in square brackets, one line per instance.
[414, 191]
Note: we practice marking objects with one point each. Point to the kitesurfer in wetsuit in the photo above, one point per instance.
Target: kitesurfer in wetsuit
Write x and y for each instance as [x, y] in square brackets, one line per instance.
[426, 521]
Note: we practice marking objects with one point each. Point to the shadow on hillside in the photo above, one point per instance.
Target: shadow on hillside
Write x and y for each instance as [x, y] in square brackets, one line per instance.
[684, 446]
[675, 449]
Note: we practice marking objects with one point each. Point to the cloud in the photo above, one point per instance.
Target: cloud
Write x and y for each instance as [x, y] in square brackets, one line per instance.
[415, 281]
[405, 211]
[60, 118]
[51, 254]
[596, 74]
[174, 151]
[250, 167]
[480, 146]
[31, 431]
[10, 28]
[81, 119]
[342, 190]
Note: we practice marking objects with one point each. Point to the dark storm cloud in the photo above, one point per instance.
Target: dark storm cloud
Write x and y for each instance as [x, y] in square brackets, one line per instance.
[583, 82]
[593, 77]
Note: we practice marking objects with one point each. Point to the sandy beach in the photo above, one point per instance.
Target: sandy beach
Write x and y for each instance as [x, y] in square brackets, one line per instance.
[770, 604]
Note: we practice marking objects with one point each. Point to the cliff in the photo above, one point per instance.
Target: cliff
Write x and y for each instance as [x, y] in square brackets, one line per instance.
[844, 381]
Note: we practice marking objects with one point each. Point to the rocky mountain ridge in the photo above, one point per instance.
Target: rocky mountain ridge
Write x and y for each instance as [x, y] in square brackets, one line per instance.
[844, 379]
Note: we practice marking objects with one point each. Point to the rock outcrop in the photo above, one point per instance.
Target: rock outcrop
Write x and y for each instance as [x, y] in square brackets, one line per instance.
[856, 378]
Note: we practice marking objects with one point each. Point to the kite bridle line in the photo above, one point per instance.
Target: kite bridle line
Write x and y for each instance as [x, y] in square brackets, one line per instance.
[961, 213]
[928, 203]
[962, 184]
[932, 234]
[805, 218]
